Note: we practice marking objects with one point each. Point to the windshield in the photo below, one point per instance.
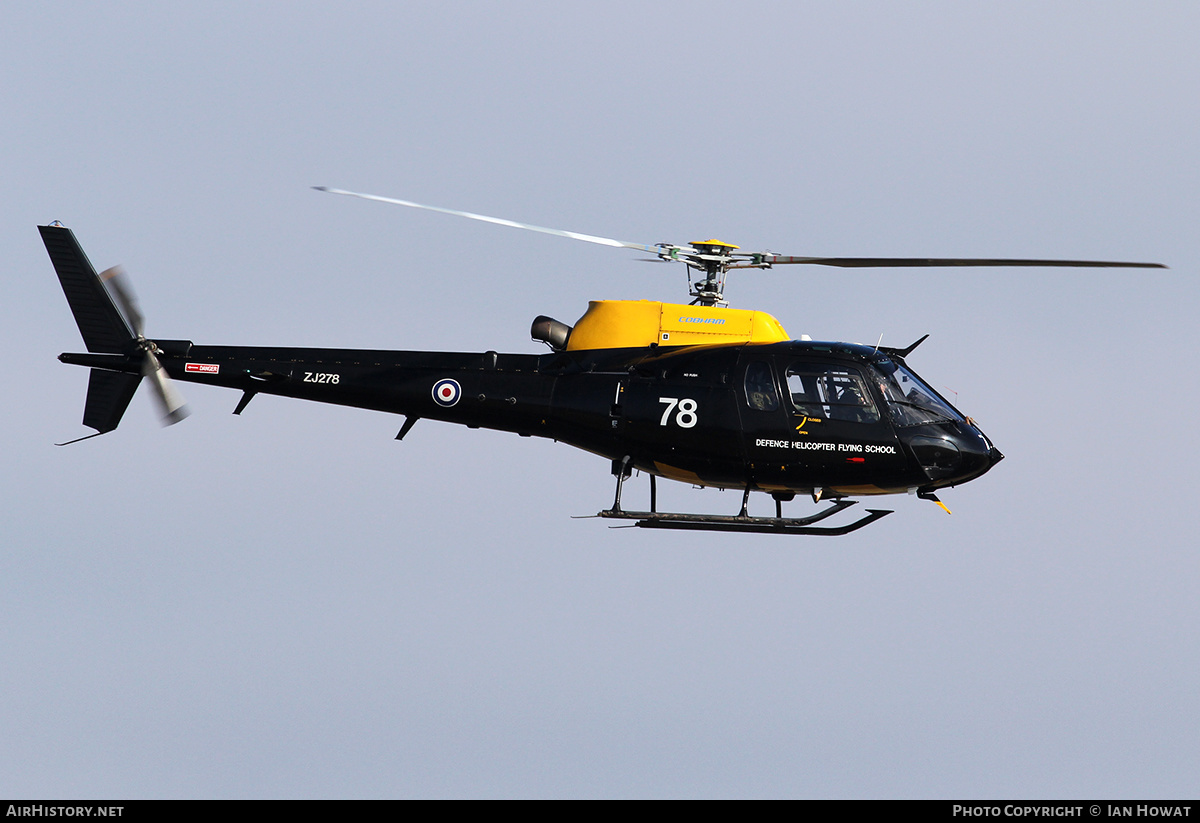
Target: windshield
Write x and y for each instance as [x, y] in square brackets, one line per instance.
[910, 401]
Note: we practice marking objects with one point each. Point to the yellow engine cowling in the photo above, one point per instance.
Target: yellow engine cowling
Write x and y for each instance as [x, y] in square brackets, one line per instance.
[618, 324]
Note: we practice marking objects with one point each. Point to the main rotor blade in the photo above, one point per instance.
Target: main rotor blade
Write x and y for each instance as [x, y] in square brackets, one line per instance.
[123, 291]
[499, 221]
[899, 262]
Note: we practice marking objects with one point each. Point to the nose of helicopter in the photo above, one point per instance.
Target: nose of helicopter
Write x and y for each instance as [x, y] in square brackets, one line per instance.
[978, 454]
[952, 457]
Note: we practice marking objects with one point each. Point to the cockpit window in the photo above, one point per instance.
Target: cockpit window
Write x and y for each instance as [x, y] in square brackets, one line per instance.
[833, 391]
[760, 387]
[910, 401]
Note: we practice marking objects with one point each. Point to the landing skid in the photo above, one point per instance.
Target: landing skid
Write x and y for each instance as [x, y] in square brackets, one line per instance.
[742, 522]
[758, 525]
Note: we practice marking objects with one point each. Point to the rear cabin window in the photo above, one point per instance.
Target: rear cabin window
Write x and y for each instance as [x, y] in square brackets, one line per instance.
[760, 387]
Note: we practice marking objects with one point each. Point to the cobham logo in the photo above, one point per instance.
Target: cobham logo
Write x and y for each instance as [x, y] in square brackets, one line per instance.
[202, 368]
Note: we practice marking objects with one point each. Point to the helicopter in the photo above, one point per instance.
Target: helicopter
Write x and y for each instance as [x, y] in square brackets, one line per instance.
[699, 393]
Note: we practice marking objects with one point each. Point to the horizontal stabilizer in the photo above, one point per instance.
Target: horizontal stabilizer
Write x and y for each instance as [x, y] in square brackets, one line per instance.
[100, 322]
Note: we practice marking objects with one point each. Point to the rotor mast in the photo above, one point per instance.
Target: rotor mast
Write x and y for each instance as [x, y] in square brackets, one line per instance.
[712, 258]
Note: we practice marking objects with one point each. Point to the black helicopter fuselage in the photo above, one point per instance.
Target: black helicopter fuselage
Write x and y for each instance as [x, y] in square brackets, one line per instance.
[798, 416]
[698, 393]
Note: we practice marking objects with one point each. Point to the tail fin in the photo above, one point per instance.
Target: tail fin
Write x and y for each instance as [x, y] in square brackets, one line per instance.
[101, 323]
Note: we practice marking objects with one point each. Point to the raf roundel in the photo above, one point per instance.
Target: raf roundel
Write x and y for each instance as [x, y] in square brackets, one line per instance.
[446, 392]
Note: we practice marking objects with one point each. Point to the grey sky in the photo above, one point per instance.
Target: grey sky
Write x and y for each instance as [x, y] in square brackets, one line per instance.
[289, 603]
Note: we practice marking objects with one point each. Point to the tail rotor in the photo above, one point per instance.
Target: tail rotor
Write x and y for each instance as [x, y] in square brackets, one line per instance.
[174, 407]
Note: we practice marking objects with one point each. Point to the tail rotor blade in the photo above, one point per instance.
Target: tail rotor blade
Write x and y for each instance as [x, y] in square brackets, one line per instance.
[174, 407]
[118, 281]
